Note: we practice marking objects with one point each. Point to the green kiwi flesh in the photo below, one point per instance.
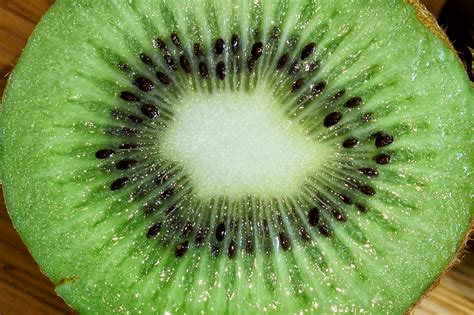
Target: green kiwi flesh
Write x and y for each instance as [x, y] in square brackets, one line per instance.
[238, 156]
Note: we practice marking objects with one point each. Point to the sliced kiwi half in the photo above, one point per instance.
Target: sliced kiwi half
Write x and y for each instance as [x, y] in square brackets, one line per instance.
[237, 157]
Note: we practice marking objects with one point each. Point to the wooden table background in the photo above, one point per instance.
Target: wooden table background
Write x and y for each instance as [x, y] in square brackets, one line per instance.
[25, 290]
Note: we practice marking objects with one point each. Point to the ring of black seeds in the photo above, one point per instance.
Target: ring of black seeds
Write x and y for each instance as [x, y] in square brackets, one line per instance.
[296, 67]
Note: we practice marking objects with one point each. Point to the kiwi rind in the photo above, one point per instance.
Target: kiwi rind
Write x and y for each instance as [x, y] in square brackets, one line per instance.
[428, 20]
[12, 198]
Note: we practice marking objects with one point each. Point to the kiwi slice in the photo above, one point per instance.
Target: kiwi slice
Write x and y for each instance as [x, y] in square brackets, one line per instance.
[239, 156]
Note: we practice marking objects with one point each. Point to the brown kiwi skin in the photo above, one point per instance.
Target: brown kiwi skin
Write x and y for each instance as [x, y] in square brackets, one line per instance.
[429, 21]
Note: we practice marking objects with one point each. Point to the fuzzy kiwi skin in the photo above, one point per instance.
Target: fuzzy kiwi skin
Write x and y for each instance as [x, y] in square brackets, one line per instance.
[428, 19]
[59, 280]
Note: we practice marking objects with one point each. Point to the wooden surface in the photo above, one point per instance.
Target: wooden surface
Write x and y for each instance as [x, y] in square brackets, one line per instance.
[25, 290]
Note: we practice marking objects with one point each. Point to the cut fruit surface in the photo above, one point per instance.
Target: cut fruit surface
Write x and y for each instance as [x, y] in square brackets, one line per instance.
[238, 157]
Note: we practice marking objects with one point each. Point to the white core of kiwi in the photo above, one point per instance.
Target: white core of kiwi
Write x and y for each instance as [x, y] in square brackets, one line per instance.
[240, 143]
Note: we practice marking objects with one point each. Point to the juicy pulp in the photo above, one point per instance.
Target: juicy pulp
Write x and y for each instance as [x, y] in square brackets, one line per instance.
[91, 241]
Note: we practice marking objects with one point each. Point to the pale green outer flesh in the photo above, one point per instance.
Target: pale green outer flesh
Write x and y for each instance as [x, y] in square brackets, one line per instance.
[63, 224]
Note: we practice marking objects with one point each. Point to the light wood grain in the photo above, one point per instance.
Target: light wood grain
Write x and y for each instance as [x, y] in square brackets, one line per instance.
[25, 290]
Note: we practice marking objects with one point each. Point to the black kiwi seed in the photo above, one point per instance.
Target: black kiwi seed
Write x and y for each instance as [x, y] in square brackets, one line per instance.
[361, 207]
[338, 95]
[220, 232]
[159, 43]
[185, 63]
[104, 154]
[169, 61]
[324, 230]
[117, 114]
[292, 40]
[150, 111]
[197, 49]
[203, 71]
[302, 99]
[200, 237]
[154, 230]
[161, 178]
[118, 183]
[234, 43]
[318, 88]
[313, 216]
[350, 142]
[146, 60]
[284, 241]
[369, 171]
[215, 250]
[144, 84]
[382, 158]
[377, 134]
[126, 164]
[282, 61]
[365, 118]
[345, 199]
[219, 46]
[134, 119]
[353, 102]
[294, 69]
[127, 131]
[163, 78]
[297, 84]
[367, 190]
[181, 249]
[172, 209]
[220, 70]
[257, 50]
[129, 96]
[231, 250]
[187, 229]
[304, 235]
[140, 191]
[308, 50]
[124, 67]
[175, 39]
[249, 245]
[275, 34]
[168, 192]
[382, 140]
[149, 208]
[332, 119]
[338, 215]
[266, 229]
[313, 66]
[250, 63]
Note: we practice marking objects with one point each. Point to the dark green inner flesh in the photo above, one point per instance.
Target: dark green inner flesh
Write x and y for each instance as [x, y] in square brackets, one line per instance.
[165, 197]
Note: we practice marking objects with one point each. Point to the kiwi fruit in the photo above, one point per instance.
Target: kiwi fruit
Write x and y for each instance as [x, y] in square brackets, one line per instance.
[230, 157]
